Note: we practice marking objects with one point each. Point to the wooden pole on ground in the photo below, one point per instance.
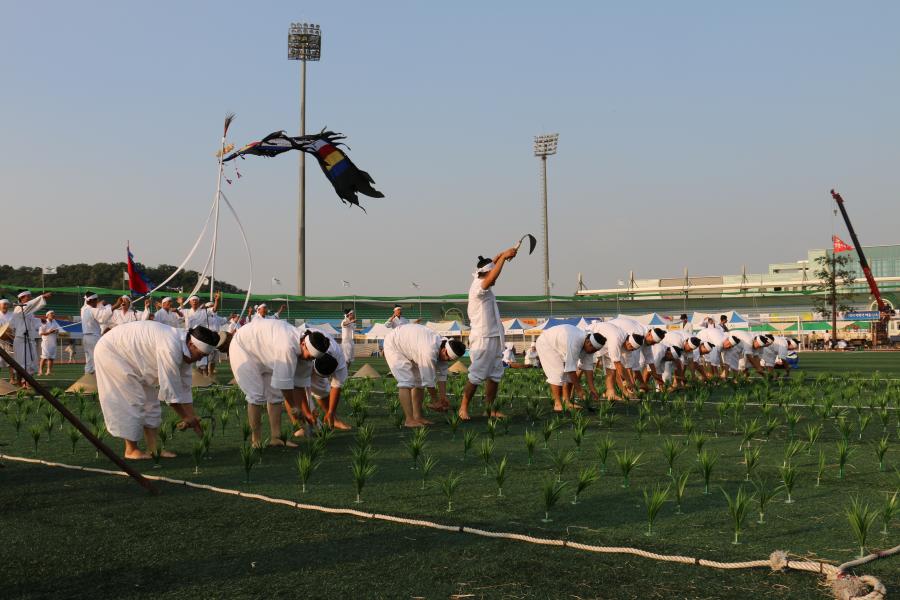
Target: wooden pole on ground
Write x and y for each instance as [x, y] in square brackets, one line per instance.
[76, 422]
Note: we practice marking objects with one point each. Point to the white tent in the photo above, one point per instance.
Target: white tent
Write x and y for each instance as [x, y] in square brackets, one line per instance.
[448, 328]
[376, 332]
[326, 328]
[514, 327]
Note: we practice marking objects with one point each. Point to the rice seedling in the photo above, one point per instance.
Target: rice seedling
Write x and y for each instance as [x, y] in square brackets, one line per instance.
[707, 462]
[653, 502]
[578, 431]
[550, 493]
[765, 493]
[671, 450]
[49, 422]
[788, 474]
[448, 485]
[748, 430]
[416, 444]
[820, 469]
[885, 417]
[738, 505]
[206, 440]
[468, 440]
[491, 426]
[687, 425]
[844, 427]
[561, 460]
[36, 432]
[245, 431]
[603, 447]
[680, 480]
[587, 476]
[812, 435]
[74, 436]
[530, 443]
[792, 419]
[555, 426]
[611, 419]
[791, 450]
[100, 434]
[844, 450]
[197, 454]
[453, 420]
[306, 464]
[156, 454]
[486, 452]
[888, 510]
[751, 461]
[861, 519]
[18, 419]
[362, 470]
[364, 435]
[771, 425]
[224, 417]
[628, 461]
[504, 423]
[547, 432]
[249, 458]
[163, 437]
[881, 448]
[863, 423]
[500, 475]
[699, 440]
[429, 462]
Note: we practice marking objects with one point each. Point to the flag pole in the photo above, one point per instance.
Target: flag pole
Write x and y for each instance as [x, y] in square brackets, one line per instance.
[76, 422]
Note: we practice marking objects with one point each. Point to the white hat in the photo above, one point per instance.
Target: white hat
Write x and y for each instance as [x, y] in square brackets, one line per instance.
[90, 297]
[4, 301]
[166, 299]
[195, 297]
[23, 293]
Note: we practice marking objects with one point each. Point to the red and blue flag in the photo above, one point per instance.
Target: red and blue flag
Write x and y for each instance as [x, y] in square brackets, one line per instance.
[138, 282]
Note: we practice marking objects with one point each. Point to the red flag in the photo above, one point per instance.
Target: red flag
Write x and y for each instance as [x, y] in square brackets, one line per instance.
[137, 281]
[840, 245]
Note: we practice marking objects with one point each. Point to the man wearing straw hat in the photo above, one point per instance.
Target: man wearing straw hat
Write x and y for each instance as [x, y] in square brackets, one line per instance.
[486, 333]
[94, 314]
[144, 363]
[26, 327]
[6, 333]
[417, 358]
[272, 362]
[48, 331]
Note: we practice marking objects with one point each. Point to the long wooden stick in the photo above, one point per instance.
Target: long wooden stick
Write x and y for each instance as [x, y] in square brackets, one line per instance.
[76, 422]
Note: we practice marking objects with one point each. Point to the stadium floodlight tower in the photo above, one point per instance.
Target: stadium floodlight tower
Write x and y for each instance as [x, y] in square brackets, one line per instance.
[304, 44]
[544, 146]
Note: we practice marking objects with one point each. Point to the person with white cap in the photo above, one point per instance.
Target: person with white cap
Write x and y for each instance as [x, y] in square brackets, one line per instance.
[125, 314]
[198, 314]
[614, 357]
[486, 333]
[141, 364]
[775, 355]
[747, 351]
[6, 321]
[397, 319]
[531, 357]
[690, 357]
[26, 327]
[168, 314]
[261, 311]
[643, 354]
[560, 348]
[509, 354]
[49, 330]
[666, 353]
[712, 343]
[272, 362]
[328, 386]
[418, 359]
[94, 314]
[348, 328]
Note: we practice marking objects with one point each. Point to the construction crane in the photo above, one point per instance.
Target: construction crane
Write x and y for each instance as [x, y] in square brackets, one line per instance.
[883, 309]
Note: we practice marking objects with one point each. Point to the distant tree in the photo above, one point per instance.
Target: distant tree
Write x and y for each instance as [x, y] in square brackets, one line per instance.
[835, 287]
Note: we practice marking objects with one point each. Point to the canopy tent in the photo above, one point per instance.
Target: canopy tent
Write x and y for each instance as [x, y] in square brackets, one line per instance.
[854, 325]
[585, 322]
[763, 327]
[378, 331]
[808, 326]
[325, 328]
[514, 327]
[553, 322]
[650, 319]
[735, 319]
[448, 328]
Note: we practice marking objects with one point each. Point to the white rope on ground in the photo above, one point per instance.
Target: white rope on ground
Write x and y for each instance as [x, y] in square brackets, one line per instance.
[844, 586]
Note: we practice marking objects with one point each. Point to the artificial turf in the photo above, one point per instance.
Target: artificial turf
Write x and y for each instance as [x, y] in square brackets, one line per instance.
[72, 534]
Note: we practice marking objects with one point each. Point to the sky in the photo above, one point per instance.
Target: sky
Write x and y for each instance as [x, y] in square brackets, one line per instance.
[703, 135]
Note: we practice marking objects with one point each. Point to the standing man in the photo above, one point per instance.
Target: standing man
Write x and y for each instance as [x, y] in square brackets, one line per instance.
[124, 314]
[94, 314]
[685, 325]
[560, 349]
[418, 357]
[144, 363]
[486, 334]
[348, 328]
[168, 314]
[397, 319]
[272, 364]
[723, 323]
[27, 326]
[6, 319]
[48, 331]
[198, 314]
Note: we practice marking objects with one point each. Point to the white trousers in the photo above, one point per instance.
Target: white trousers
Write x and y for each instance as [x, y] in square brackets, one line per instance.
[90, 342]
[26, 354]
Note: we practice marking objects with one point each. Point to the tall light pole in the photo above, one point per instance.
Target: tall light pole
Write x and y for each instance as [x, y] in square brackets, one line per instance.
[304, 44]
[544, 146]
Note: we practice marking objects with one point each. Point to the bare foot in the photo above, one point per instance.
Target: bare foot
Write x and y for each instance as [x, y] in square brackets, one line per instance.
[463, 414]
[338, 424]
[573, 406]
[300, 433]
[167, 454]
[438, 407]
[411, 424]
[138, 455]
[557, 408]
[423, 421]
[496, 414]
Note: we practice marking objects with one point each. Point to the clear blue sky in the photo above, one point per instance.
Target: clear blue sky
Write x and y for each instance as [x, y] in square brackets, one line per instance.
[702, 134]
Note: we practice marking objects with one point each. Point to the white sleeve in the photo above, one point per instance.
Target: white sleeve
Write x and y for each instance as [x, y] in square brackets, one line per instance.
[614, 350]
[573, 355]
[283, 369]
[427, 366]
[168, 364]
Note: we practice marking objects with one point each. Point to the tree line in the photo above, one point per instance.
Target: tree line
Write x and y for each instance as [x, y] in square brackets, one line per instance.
[100, 275]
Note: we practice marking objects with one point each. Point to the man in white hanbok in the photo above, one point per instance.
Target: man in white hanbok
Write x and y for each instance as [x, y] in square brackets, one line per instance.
[348, 328]
[168, 314]
[560, 349]
[27, 327]
[141, 364]
[6, 319]
[328, 387]
[125, 313]
[94, 314]
[49, 330]
[272, 364]
[418, 359]
[198, 314]
[397, 319]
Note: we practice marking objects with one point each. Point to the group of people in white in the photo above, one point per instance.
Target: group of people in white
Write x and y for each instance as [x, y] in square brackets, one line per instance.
[144, 358]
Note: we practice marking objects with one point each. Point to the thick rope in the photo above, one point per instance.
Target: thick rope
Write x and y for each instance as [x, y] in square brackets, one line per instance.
[845, 587]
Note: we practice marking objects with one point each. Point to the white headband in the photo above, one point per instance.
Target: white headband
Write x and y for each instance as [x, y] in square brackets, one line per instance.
[125, 297]
[4, 301]
[453, 355]
[91, 297]
[202, 346]
[655, 336]
[707, 345]
[50, 312]
[166, 299]
[23, 293]
[690, 346]
[259, 306]
[486, 268]
[596, 345]
[197, 298]
[315, 352]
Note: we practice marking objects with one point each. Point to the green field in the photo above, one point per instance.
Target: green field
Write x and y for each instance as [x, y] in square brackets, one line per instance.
[73, 534]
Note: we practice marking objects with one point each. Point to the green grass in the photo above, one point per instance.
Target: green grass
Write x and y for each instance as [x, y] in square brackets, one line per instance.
[70, 534]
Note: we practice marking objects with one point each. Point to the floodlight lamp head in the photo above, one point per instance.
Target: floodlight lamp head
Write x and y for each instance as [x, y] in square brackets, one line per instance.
[545, 145]
[304, 42]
